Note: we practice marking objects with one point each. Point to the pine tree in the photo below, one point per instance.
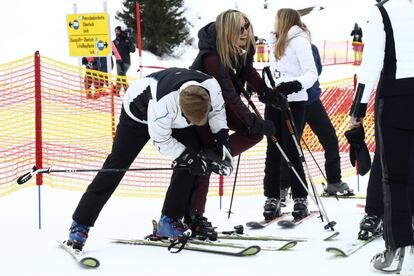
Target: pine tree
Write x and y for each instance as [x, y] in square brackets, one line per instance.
[163, 26]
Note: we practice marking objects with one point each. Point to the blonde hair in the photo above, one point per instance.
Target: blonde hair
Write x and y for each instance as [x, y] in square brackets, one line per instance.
[228, 33]
[286, 19]
[195, 103]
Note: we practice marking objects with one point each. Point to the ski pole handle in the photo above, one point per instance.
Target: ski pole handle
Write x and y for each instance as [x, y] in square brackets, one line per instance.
[27, 176]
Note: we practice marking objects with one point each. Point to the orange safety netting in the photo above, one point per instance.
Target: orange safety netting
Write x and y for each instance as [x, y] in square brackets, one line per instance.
[72, 122]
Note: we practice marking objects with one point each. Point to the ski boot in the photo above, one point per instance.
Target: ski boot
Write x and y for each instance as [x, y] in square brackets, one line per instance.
[400, 260]
[284, 192]
[369, 226]
[300, 208]
[201, 228]
[77, 235]
[171, 228]
[339, 187]
[271, 208]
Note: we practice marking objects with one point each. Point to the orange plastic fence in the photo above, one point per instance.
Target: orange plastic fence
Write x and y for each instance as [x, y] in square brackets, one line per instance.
[77, 122]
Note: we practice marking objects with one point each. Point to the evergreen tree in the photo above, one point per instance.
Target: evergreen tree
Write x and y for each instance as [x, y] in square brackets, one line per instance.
[163, 26]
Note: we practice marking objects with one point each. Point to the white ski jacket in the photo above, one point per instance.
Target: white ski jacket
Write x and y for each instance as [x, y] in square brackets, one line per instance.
[296, 64]
[163, 110]
[387, 51]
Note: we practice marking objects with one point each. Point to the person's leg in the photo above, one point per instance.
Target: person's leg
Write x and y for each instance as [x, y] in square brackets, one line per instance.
[271, 181]
[130, 138]
[321, 125]
[396, 143]
[299, 193]
[182, 182]
[371, 223]
[240, 141]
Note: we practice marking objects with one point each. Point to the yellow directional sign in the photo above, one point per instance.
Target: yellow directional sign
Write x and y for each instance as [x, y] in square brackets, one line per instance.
[88, 34]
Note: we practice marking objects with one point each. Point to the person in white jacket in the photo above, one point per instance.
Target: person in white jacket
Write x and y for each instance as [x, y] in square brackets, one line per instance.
[164, 106]
[389, 56]
[293, 70]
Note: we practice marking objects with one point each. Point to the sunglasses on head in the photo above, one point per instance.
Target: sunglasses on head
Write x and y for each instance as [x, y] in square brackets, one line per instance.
[245, 27]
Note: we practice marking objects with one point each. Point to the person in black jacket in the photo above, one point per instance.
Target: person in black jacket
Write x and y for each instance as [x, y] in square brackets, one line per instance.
[357, 44]
[124, 46]
[227, 48]
[389, 55]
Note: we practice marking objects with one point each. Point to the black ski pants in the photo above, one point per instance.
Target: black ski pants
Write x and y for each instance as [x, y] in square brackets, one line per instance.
[272, 179]
[395, 127]
[130, 138]
[374, 201]
[318, 120]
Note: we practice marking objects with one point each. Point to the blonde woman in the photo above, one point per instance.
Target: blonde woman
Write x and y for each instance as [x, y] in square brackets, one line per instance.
[293, 69]
[227, 47]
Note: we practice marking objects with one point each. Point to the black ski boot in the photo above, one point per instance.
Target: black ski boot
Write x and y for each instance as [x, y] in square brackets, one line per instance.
[369, 226]
[284, 192]
[339, 187]
[201, 228]
[300, 208]
[271, 208]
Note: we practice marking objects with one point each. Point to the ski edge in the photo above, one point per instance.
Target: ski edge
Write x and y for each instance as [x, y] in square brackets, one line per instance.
[84, 261]
[247, 251]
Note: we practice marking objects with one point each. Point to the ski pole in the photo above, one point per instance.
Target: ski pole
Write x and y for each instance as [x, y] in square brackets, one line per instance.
[330, 224]
[27, 176]
[234, 186]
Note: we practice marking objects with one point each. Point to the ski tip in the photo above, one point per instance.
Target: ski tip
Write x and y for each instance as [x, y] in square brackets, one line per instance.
[286, 224]
[254, 225]
[331, 237]
[336, 251]
[250, 251]
[289, 245]
[89, 262]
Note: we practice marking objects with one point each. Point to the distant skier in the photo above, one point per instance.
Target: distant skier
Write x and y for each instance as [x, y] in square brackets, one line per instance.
[164, 106]
[390, 56]
[123, 45]
[357, 44]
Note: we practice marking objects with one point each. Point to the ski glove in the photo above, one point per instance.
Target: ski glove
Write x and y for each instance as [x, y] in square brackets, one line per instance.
[287, 88]
[193, 161]
[273, 98]
[358, 151]
[216, 164]
[261, 126]
[222, 140]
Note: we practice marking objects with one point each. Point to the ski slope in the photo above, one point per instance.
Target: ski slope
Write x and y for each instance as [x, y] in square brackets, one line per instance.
[26, 250]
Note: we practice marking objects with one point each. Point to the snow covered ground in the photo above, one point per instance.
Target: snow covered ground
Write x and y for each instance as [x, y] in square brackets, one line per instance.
[26, 250]
[29, 251]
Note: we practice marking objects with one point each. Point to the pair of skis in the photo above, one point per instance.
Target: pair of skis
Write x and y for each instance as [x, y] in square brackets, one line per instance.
[220, 246]
[283, 221]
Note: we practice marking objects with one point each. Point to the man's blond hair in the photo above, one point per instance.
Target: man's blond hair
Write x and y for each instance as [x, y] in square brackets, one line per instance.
[195, 104]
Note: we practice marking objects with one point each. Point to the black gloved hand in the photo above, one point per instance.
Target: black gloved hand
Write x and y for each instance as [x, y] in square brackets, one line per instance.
[274, 99]
[358, 151]
[222, 140]
[261, 126]
[119, 61]
[193, 161]
[289, 87]
[216, 164]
